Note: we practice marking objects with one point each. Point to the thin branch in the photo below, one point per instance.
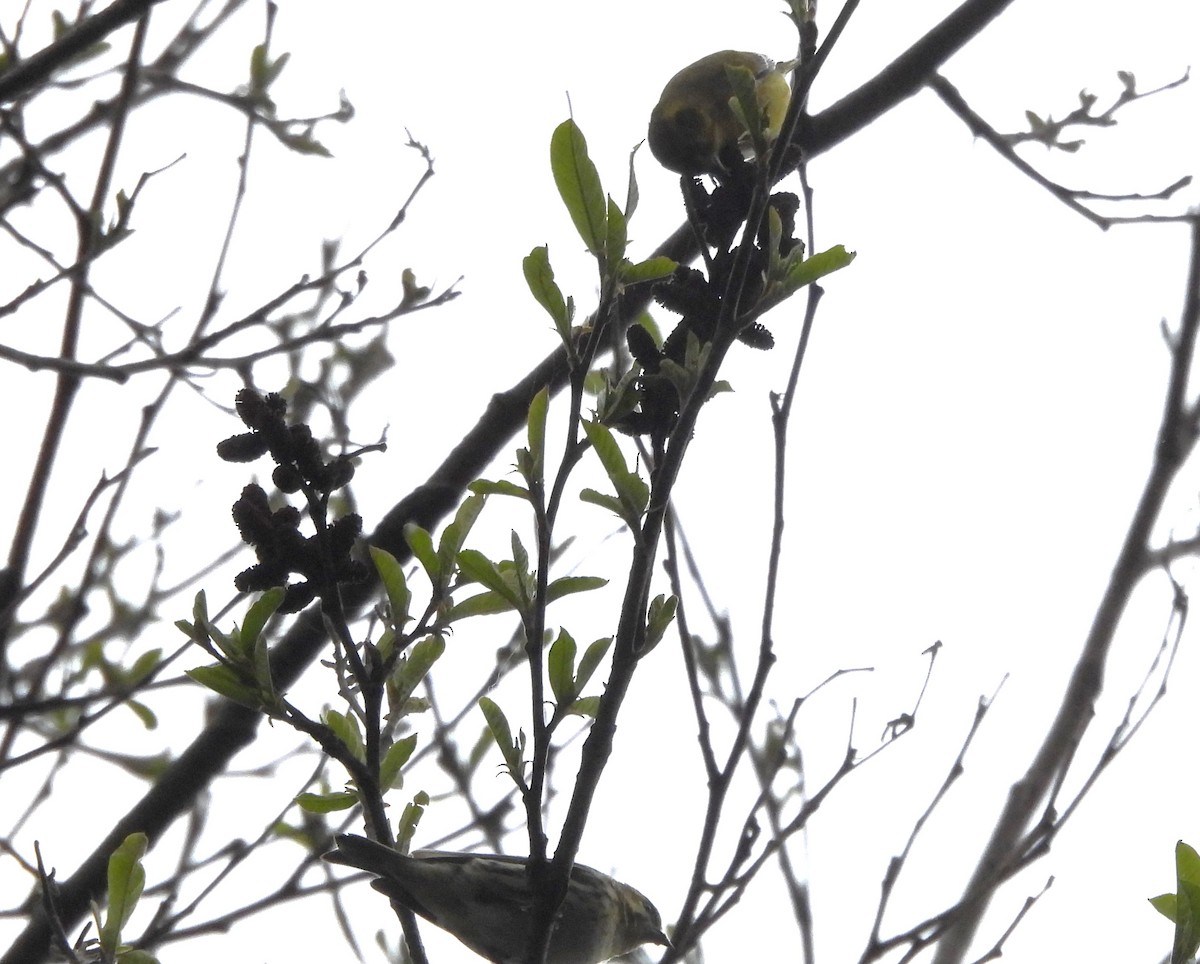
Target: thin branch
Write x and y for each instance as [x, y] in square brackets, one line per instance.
[1176, 439]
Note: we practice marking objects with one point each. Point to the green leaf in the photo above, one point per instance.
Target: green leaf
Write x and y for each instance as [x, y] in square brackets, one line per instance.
[658, 620]
[523, 579]
[126, 878]
[617, 401]
[591, 660]
[607, 449]
[819, 265]
[257, 616]
[455, 534]
[393, 760]
[484, 604]
[327, 802]
[413, 667]
[345, 728]
[610, 502]
[1187, 906]
[652, 269]
[391, 574]
[512, 750]
[1183, 907]
[579, 186]
[143, 666]
[479, 568]
[421, 544]
[263, 70]
[635, 496]
[631, 195]
[618, 234]
[560, 666]
[222, 679]
[262, 672]
[202, 630]
[135, 955]
[536, 434]
[585, 706]
[1165, 904]
[409, 819]
[568, 585]
[539, 275]
[632, 492]
[788, 275]
[143, 713]
[498, 487]
[385, 644]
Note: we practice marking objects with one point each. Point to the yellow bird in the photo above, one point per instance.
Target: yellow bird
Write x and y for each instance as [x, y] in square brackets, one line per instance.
[693, 129]
[487, 900]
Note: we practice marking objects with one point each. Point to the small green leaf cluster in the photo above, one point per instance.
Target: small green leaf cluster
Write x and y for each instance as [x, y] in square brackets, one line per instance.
[243, 669]
[1183, 906]
[126, 880]
[603, 226]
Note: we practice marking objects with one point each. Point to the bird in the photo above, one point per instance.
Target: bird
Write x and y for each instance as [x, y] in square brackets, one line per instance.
[693, 130]
[487, 902]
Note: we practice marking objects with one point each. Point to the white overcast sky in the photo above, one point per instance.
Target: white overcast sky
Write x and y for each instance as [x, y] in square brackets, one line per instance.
[976, 416]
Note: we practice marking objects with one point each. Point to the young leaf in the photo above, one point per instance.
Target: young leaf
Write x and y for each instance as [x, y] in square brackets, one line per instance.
[618, 234]
[345, 728]
[579, 185]
[510, 749]
[788, 275]
[257, 616]
[222, 679]
[479, 568]
[523, 580]
[567, 585]
[1183, 907]
[327, 802]
[498, 487]
[632, 492]
[262, 672]
[560, 666]
[652, 269]
[631, 195]
[409, 820]
[126, 878]
[393, 760]
[484, 604]
[539, 275]
[610, 502]
[391, 574]
[591, 660]
[455, 534]
[658, 620]
[536, 433]
[413, 667]
[421, 544]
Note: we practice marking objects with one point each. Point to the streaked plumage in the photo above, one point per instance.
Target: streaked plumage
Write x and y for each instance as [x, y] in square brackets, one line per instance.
[485, 900]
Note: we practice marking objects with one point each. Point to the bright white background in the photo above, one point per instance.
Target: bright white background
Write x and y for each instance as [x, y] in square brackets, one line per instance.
[976, 417]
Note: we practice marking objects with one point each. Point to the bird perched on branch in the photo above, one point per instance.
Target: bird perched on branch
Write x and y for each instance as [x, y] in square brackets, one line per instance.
[487, 902]
[694, 128]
